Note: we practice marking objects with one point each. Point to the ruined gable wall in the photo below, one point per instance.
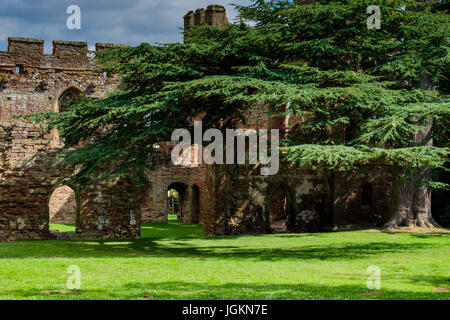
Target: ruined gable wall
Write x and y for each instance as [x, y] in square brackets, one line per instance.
[30, 82]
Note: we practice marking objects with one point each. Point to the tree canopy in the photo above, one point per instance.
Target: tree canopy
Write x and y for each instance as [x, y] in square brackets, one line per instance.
[379, 86]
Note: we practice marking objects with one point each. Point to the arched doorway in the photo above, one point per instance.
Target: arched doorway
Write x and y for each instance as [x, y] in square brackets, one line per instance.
[280, 209]
[176, 201]
[63, 208]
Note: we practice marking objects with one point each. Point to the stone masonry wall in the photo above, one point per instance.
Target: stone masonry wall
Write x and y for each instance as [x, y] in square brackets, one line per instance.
[244, 200]
[31, 82]
[197, 182]
[30, 172]
[27, 174]
[363, 196]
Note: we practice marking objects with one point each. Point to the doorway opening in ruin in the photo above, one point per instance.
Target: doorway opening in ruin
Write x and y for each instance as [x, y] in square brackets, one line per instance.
[195, 204]
[176, 202]
[280, 209]
[63, 207]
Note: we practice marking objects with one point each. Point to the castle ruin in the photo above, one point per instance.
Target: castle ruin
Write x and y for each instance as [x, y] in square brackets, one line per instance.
[226, 199]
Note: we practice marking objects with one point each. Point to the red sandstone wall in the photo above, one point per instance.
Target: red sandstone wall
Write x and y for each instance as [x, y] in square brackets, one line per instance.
[154, 208]
[349, 207]
[42, 78]
[29, 170]
[27, 173]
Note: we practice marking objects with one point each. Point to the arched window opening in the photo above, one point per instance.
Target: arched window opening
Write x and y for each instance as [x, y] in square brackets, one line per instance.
[61, 105]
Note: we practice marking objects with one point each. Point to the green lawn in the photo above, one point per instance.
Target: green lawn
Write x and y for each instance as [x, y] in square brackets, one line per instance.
[173, 218]
[63, 227]
[174, 261]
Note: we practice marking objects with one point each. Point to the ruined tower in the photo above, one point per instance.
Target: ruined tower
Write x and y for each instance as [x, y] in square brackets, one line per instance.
[214, 15]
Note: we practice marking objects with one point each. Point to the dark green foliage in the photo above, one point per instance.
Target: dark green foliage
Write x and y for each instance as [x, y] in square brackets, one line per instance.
[362, 91]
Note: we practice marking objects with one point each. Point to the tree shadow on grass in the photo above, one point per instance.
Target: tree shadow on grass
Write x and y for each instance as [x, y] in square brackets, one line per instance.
[171, 241]
[180, 290]
[153, 248]
[431, 280]
[272, 291]
[161, 231]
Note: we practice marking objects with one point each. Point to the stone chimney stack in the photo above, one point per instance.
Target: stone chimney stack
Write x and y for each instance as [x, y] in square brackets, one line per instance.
[199, 17]
[214, 15]
[189, 20]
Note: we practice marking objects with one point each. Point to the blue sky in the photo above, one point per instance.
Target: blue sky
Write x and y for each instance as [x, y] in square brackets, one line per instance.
[114, 21]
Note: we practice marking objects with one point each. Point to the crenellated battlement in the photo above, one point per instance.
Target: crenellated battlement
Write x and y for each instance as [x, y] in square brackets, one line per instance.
[25, 54]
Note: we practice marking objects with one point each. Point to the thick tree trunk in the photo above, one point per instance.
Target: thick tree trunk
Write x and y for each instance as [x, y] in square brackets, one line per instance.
[402, 199]
[411, 198]
[412, 201]
[422, 202]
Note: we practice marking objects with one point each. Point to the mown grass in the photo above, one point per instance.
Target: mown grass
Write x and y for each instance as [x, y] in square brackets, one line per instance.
[174, 261]
[63, 227]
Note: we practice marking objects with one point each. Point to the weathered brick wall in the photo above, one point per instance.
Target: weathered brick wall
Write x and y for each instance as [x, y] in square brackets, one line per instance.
[245, 198]
[363, 196]
[110, 209]
[28, 173]
[247, 202]
[214, 15]
[195, 181]
[165, 176]
[31, 82]
[42, 78]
